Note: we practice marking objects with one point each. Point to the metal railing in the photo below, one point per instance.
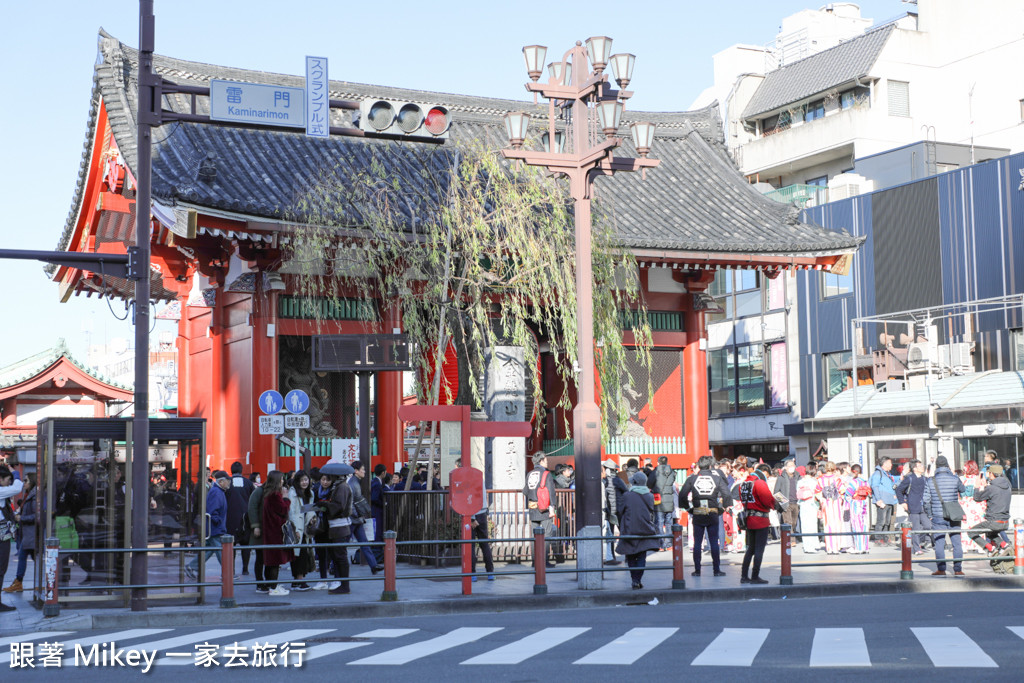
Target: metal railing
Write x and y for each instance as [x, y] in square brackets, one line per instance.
[906, 560]
[390, 546]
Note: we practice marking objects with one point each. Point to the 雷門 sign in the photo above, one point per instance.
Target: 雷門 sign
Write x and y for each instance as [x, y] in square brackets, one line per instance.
[273, 105]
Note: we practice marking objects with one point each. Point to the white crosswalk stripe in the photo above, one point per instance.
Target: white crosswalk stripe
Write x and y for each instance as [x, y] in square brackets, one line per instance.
[408, 653]
[949, 646]
[524, 648]
[293, 636]
[115, 637]
[387, 633]
[733, 647]
[633, 645]
[169, 643]
[1019, 630]
[839, 647]
[29, 637]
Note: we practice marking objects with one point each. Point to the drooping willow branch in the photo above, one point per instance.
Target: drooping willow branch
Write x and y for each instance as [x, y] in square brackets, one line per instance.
[470, 249]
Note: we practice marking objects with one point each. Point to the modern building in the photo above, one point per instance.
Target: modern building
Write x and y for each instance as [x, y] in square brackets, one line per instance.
[934, 299]
[834, 108]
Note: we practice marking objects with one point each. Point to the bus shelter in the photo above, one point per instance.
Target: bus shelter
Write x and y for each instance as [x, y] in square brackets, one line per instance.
[85, 501]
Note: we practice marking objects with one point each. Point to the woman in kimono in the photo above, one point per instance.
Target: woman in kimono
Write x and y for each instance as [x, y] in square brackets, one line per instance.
[974, 511]
[805, 490]
[845, 541]
[830, 492]
[858, 496]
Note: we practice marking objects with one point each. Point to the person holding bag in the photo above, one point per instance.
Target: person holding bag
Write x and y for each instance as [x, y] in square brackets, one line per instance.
[274, 518]
[300, 513]
[338, 512]
[941, 501]
[361, 512]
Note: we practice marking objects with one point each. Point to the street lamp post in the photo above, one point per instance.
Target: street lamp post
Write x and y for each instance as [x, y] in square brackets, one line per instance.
[578, 90]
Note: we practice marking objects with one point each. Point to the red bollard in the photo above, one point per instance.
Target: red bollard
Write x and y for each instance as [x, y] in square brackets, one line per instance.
[677, 557]
[390, 593]
[786, 575]
[540, 586]
[227, 572]
[907, 570]
[51, 574]
[467, 557]
[1018, 547]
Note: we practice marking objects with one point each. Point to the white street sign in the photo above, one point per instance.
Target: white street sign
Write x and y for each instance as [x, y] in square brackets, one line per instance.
[271, 424]
[274, 105]
[296, 421]
[318, 120]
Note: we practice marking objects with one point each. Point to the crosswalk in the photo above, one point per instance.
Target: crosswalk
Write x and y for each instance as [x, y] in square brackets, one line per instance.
[943, 647]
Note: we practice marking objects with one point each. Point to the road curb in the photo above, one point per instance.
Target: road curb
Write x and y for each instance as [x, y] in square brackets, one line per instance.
[456, 604]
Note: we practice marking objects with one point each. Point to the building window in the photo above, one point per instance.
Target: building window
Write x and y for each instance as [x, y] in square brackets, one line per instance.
[833, 284]
[1017, 350]
[847, 99]
[835, 379]
[815, 110]
[899, 98]
[748, 378]
[1022, 110]
[738, 292]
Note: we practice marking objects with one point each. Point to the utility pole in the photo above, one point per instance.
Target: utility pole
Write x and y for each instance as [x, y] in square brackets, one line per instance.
[148, 115]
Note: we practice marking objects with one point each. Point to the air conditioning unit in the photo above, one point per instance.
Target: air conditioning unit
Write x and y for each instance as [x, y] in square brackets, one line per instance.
[846, 185]
[957, 357]
[919, 354]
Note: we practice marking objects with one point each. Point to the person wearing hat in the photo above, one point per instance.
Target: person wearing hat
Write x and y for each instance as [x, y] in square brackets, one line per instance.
[217, 515]
[996, 493]
[610, 509]
[944, 487]
[637, 519]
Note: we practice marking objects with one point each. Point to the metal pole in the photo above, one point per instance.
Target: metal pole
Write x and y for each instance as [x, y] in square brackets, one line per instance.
[786, 574]
[540, 582]
[906, 563]
[678, 582]
[149, 109]
[390, 593]
[467, 551]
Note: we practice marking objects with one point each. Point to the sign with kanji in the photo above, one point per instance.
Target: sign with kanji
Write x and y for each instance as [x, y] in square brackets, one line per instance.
[318, 120]
[344, 450]
[271, 424]
[273, 105]
[296, 421]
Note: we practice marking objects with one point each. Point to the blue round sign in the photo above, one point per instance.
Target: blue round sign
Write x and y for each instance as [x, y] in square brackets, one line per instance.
[296, 401]
[271, 402]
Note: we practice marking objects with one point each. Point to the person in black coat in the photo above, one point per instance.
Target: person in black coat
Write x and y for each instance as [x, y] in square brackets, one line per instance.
[636, 518]
[238, 508]
[910, 496]
[705, 495]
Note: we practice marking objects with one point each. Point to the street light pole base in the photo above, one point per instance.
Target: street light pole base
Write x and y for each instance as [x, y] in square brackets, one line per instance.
[906, 576]
[785, 580]
[678, 584]
[389, 596]
[588, 556]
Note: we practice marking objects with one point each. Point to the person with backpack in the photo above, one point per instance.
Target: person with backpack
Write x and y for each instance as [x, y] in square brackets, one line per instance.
[941, 501]
[661, 482]
[540, 499]
[705, 495]
[238, 509]
[757, 501]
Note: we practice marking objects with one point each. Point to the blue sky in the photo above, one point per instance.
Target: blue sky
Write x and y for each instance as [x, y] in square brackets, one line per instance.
[470, 47]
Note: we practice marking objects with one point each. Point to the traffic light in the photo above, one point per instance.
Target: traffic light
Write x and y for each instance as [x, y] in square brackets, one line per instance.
[405, 119]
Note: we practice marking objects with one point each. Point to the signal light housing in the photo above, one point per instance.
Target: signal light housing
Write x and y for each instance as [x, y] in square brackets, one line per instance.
[405, 119]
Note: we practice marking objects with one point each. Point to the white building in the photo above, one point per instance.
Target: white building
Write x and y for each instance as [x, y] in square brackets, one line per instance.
[832, 90]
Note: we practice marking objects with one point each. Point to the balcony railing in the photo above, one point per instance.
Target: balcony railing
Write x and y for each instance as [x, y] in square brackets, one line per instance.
[800, 195]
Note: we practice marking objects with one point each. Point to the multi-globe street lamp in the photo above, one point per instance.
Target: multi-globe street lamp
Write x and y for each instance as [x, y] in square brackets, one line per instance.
[583, 118]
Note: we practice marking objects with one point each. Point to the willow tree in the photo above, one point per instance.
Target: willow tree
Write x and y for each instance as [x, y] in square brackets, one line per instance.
[471, 250]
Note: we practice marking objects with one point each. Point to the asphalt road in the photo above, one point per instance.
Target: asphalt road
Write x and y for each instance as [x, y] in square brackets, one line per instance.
[954, 636]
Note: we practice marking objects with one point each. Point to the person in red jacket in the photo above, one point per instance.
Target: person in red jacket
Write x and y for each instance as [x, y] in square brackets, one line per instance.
[758, 501]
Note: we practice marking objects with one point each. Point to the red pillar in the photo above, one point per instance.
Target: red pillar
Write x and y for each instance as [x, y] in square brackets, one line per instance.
[264, 372]
[389, 399]
[216, 429]
[695, 373]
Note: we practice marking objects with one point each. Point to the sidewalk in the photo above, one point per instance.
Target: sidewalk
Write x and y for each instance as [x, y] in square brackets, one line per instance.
[420, 596]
